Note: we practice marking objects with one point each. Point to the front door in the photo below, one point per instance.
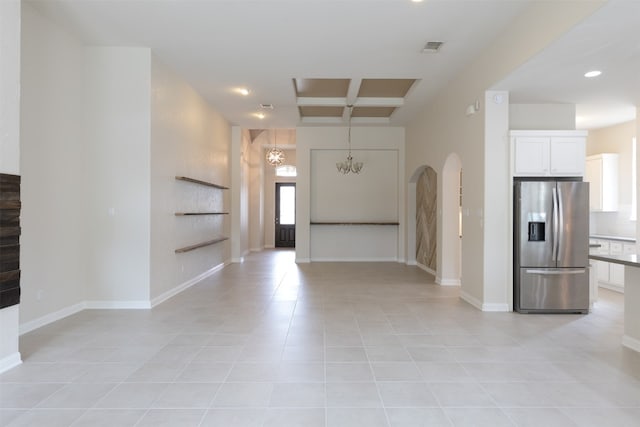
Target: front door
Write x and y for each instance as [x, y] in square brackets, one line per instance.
[285, 215]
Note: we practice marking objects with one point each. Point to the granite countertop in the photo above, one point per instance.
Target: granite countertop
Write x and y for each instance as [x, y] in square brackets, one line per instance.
[605, 237]
[626, 259]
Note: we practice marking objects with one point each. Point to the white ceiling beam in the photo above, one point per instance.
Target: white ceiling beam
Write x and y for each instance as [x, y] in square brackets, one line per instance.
[322, 120]
[320, 102]
[379, 102]
[371, 120]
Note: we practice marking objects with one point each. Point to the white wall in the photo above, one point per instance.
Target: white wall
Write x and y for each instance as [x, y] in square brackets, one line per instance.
[376, 194]
[188, 139]
[55, 223]
[443, 128]
[93, 204]
[615, 139]
[117, 123]
[542, 116]
[9, 150]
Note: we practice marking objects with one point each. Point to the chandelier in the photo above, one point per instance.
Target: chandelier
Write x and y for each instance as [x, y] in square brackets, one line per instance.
[275, 156]
[349, 166]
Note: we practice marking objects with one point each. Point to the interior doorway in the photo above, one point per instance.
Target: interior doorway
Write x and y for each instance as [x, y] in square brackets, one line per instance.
[285, 220]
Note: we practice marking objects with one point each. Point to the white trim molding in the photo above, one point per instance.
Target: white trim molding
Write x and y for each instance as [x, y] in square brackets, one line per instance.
[112, 305]
[425, 268]
[10, 362]
[118, 305]
[175, 291]
[447, 282]
[631, 343]
[52, 317]
[303, 261]
[489, 307]
[465, 296]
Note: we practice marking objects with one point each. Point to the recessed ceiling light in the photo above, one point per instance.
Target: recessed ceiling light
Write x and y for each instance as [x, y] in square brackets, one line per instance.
[260, 115]
[594, 73]
[242, 91]
[417, 1]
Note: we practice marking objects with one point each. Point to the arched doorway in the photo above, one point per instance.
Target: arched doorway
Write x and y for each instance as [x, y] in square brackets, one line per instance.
[422, 215]
[427, 220]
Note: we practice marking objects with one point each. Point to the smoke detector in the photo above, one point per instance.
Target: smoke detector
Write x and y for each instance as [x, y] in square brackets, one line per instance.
[432, 47]
[266, 106]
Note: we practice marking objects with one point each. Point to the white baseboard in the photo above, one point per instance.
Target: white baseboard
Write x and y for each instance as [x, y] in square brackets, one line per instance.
[10, 362]
[114, 305]
[412, 262]
[118, 305]
[425, 268]
[447, 282]
[471, 299]
[303, 260]
[175, 291]
[612, 287]
[632, 343]
[255, 250]
[269, 246]
[237, 260]
[52, 317]
[493, 307]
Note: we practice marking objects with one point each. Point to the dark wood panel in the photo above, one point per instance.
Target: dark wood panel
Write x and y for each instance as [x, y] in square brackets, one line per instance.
[10, 204]
[9, 182]
[9, 195]
[9, 231]
[9, 240]
[9, 284]
[9, 275]
[9, 297]
[9, 218]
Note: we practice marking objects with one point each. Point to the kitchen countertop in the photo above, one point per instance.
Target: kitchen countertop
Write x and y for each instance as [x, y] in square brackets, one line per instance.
[605, 237]
[631, 260]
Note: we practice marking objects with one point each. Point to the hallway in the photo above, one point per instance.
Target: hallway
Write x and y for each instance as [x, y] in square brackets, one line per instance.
[271, 343]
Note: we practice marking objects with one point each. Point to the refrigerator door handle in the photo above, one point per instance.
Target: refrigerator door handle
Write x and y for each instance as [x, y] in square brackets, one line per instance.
[554, 250]
[556, 272]
[560, 234]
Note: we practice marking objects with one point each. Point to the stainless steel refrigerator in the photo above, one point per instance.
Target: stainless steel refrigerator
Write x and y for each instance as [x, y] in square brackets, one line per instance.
[551, 246]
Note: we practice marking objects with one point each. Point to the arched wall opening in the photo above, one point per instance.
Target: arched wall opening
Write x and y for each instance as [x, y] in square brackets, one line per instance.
[422, 248]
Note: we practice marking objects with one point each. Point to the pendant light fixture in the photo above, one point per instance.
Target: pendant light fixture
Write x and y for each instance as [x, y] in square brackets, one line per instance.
[275, 156]
[349, 166]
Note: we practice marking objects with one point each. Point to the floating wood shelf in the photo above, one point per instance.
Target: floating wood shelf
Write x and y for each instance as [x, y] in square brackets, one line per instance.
[201, 245]
[200, 213]
[353, 223]
[197, 181]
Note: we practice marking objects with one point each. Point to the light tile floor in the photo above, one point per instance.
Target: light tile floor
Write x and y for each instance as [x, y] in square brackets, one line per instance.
[270, 343]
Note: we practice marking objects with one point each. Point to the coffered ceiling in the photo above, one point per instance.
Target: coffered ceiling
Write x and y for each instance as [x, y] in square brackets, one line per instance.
[332, 100]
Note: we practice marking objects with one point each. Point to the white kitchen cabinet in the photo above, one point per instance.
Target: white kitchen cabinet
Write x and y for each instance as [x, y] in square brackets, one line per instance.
[548, 153]
[610, 275]
[602, 173]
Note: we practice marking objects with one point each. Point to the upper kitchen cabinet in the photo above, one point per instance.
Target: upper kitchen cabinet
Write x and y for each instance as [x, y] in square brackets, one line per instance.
[602, 174]
[548, 153]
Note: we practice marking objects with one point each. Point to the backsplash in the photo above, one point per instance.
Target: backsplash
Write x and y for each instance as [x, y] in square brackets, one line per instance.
[613, 223]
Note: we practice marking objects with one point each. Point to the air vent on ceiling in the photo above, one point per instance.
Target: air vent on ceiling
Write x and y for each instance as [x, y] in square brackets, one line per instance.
[266, 106]
[432, 47]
